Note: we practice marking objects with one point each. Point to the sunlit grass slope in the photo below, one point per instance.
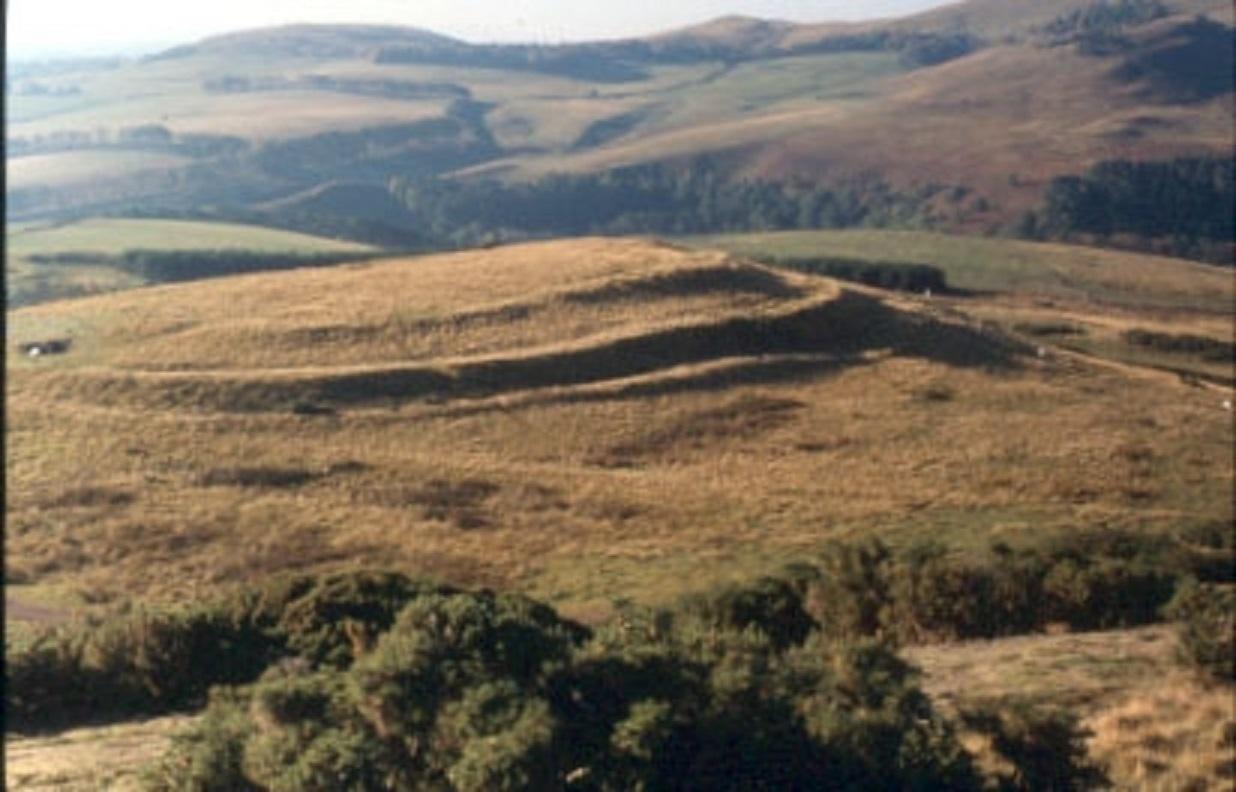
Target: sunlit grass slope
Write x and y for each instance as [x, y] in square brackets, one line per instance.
[583, 420]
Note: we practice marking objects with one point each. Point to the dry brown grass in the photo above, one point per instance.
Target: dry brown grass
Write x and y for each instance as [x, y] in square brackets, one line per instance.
[93, 759]
[657, 421]
[1174, 735]
[1087, 673]
[1152, 725]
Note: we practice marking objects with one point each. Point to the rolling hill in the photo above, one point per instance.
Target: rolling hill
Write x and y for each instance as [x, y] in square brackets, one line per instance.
[612, 423]
[988, 100]
[683, 323]
[581, 420]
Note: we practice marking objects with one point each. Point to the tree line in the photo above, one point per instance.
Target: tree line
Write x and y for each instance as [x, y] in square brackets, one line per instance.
[172, 266]
[1190, 200]
[652, 199]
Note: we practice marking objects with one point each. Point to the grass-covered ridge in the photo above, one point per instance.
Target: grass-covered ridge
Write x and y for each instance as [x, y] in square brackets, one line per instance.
[579, 420]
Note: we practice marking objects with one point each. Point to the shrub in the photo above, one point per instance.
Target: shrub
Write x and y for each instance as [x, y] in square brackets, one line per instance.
[1106, 594]
[329, 619]
[142, 663]
[1207, 628]
[1046, 749]
[939, 599]
[209, 756]
[146, 662]
[484, 691]
[879, 725]
[852, 596]
[1105, 579]
[771, 605]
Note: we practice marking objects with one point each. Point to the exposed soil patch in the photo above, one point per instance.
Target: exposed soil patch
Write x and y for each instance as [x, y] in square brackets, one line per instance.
[16, 610]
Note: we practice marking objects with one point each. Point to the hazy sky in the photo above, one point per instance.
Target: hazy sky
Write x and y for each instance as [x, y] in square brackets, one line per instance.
[45, 27]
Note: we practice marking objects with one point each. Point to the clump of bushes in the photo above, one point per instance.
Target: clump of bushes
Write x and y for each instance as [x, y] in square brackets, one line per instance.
[1207, 618]
[899, 276]
[1209, 349]
[478, 691]
[924, 594]
[374, 680]
[328, 620]
[366, 680]
[1043, 749]
[141, 663]
[173, 266]
[147, 662]
[772, 605]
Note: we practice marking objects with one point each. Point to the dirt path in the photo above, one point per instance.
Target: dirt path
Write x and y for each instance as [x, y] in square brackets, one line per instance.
[107, 757]
[16, 610]
[1145, 372]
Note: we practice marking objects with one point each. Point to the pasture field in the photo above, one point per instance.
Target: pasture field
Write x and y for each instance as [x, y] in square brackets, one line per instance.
[116, 235]
[1001, 121]
[582, 420]
[84, 167]
[610, 423]
[28, 281]
[1071, 274]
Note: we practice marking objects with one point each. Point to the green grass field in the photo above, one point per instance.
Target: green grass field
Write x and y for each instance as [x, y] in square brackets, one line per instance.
[116, 235]
[1115, 278]
[69, 168]
[28, 282]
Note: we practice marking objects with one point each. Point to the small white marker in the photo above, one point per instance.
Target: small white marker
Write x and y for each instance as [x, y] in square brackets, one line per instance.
[1227, 404]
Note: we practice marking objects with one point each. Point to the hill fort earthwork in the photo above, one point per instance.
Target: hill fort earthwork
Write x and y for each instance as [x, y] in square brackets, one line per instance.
[755, 346]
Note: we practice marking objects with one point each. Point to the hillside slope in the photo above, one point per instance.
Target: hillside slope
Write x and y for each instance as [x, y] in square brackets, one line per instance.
[991, 97]
[581, 420]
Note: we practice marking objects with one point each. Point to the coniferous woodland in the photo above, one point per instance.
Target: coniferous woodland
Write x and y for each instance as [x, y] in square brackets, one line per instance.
[1188, 198]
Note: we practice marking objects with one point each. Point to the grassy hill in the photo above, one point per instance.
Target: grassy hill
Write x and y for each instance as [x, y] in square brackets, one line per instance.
[599, 422]
[582, 420]
[980, 96]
